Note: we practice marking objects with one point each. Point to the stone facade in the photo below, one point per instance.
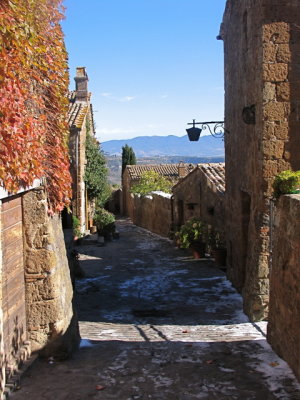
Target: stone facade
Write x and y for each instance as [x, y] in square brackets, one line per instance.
[201, 194]
[52, 327]
[262, 98]
[81, 123]
[284, 315]
[153, 212]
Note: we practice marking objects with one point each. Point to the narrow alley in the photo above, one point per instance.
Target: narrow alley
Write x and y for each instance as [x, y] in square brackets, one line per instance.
[157, 324]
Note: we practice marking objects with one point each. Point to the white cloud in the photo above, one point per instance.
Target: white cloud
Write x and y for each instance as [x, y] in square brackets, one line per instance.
[126, 98]
[105, 94]
[123, 99]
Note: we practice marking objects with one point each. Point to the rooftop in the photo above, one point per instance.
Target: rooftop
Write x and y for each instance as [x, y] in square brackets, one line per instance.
[77, 110]
[215, 172]
[167, 170]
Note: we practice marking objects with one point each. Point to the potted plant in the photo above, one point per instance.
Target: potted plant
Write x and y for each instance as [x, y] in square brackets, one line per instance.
[217, 248]
[192, 235]
[287, 182]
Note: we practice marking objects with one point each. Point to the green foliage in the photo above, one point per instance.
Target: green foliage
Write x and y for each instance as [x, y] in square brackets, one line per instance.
[128, 157]
[76, 226]
[286, 182]
[216, 240]
[104, 220]
[152, 181]
[192, 231]
[96, 172]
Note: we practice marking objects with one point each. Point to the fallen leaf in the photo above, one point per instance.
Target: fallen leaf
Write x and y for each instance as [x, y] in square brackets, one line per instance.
[274, 364]
[100, 387]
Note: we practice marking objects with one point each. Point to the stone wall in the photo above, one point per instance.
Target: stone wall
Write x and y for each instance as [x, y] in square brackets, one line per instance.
[284, 315]
[153, 212]
[52, 327]
[261, 49]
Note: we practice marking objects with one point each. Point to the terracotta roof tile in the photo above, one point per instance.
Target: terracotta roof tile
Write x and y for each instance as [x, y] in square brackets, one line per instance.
[215, 172]
[167, 170]
[77, 110]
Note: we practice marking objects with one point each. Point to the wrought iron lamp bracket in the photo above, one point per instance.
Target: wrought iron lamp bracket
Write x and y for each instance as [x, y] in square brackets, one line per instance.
[215, 128]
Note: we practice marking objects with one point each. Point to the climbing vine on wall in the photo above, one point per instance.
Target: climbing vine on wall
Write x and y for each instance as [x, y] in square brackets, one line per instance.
[33, 93]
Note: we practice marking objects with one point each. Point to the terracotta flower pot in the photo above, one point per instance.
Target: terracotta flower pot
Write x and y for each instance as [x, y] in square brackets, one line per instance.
[198, 250]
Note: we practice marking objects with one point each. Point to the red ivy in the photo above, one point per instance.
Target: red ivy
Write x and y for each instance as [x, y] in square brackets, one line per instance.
[33, 92]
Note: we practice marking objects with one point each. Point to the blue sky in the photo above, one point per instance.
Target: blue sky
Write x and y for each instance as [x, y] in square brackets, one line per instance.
[153, 65]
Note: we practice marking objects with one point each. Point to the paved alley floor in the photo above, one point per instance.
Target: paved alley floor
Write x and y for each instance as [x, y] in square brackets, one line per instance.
[156, 324]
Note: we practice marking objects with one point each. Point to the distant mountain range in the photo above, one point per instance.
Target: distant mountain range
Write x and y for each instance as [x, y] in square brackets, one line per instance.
[152, 146]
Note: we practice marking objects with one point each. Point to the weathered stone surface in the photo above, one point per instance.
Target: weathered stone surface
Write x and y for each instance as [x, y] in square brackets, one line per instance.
[153, 213]
[273, 148]
[283, 91]
[269, 93]
[276, 72]
[261, 68]
[276, 32]
[49, 290]
[269, 52]
[284, 316]
[274, 111]
[283, 53]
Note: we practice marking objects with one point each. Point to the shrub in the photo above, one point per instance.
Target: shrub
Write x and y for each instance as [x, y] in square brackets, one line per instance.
[191, 232]
[105, 221]
[152, 181]
[286, 182]
[76, 226]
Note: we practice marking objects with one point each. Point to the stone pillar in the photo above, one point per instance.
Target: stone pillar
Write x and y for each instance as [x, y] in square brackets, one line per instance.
[52, 327]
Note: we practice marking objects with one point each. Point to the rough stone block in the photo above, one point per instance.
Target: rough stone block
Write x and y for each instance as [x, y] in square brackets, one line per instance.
[273, 148]
[276, 72]
[283, 91]
[281, 130]
[269, 92]
[274, 111]
[283, 53]
[276, 32]
[269, 52]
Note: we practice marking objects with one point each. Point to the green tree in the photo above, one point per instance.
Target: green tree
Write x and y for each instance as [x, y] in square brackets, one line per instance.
[96, 172]
[152, 181]
[128, 157]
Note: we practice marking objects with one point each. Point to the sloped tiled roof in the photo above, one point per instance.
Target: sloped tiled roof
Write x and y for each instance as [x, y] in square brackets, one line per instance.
[167, 170]
[215, 172]
[77, 111]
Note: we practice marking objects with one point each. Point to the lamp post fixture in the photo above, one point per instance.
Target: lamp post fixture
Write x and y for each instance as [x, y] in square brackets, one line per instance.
[216, 131]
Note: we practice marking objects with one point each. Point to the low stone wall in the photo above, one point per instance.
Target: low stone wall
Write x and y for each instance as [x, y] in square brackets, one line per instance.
[52, 327]
[284, 312]
[153, 213]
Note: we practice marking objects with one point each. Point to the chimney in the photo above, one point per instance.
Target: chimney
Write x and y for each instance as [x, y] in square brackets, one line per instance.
[181, 170]
[81, 82]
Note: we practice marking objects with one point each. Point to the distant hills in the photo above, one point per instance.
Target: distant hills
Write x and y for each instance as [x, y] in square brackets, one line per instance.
[157, 146]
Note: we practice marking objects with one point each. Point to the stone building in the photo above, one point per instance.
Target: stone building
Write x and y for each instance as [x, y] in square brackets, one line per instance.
[36, 313]
[132, 175]
[262, 105]
[201, 194]
[81, 123]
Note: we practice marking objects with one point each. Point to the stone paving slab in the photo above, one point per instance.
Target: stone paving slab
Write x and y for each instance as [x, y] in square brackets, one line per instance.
[156, 324]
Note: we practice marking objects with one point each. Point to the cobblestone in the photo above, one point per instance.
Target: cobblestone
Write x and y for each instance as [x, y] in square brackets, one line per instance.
[156, 324]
